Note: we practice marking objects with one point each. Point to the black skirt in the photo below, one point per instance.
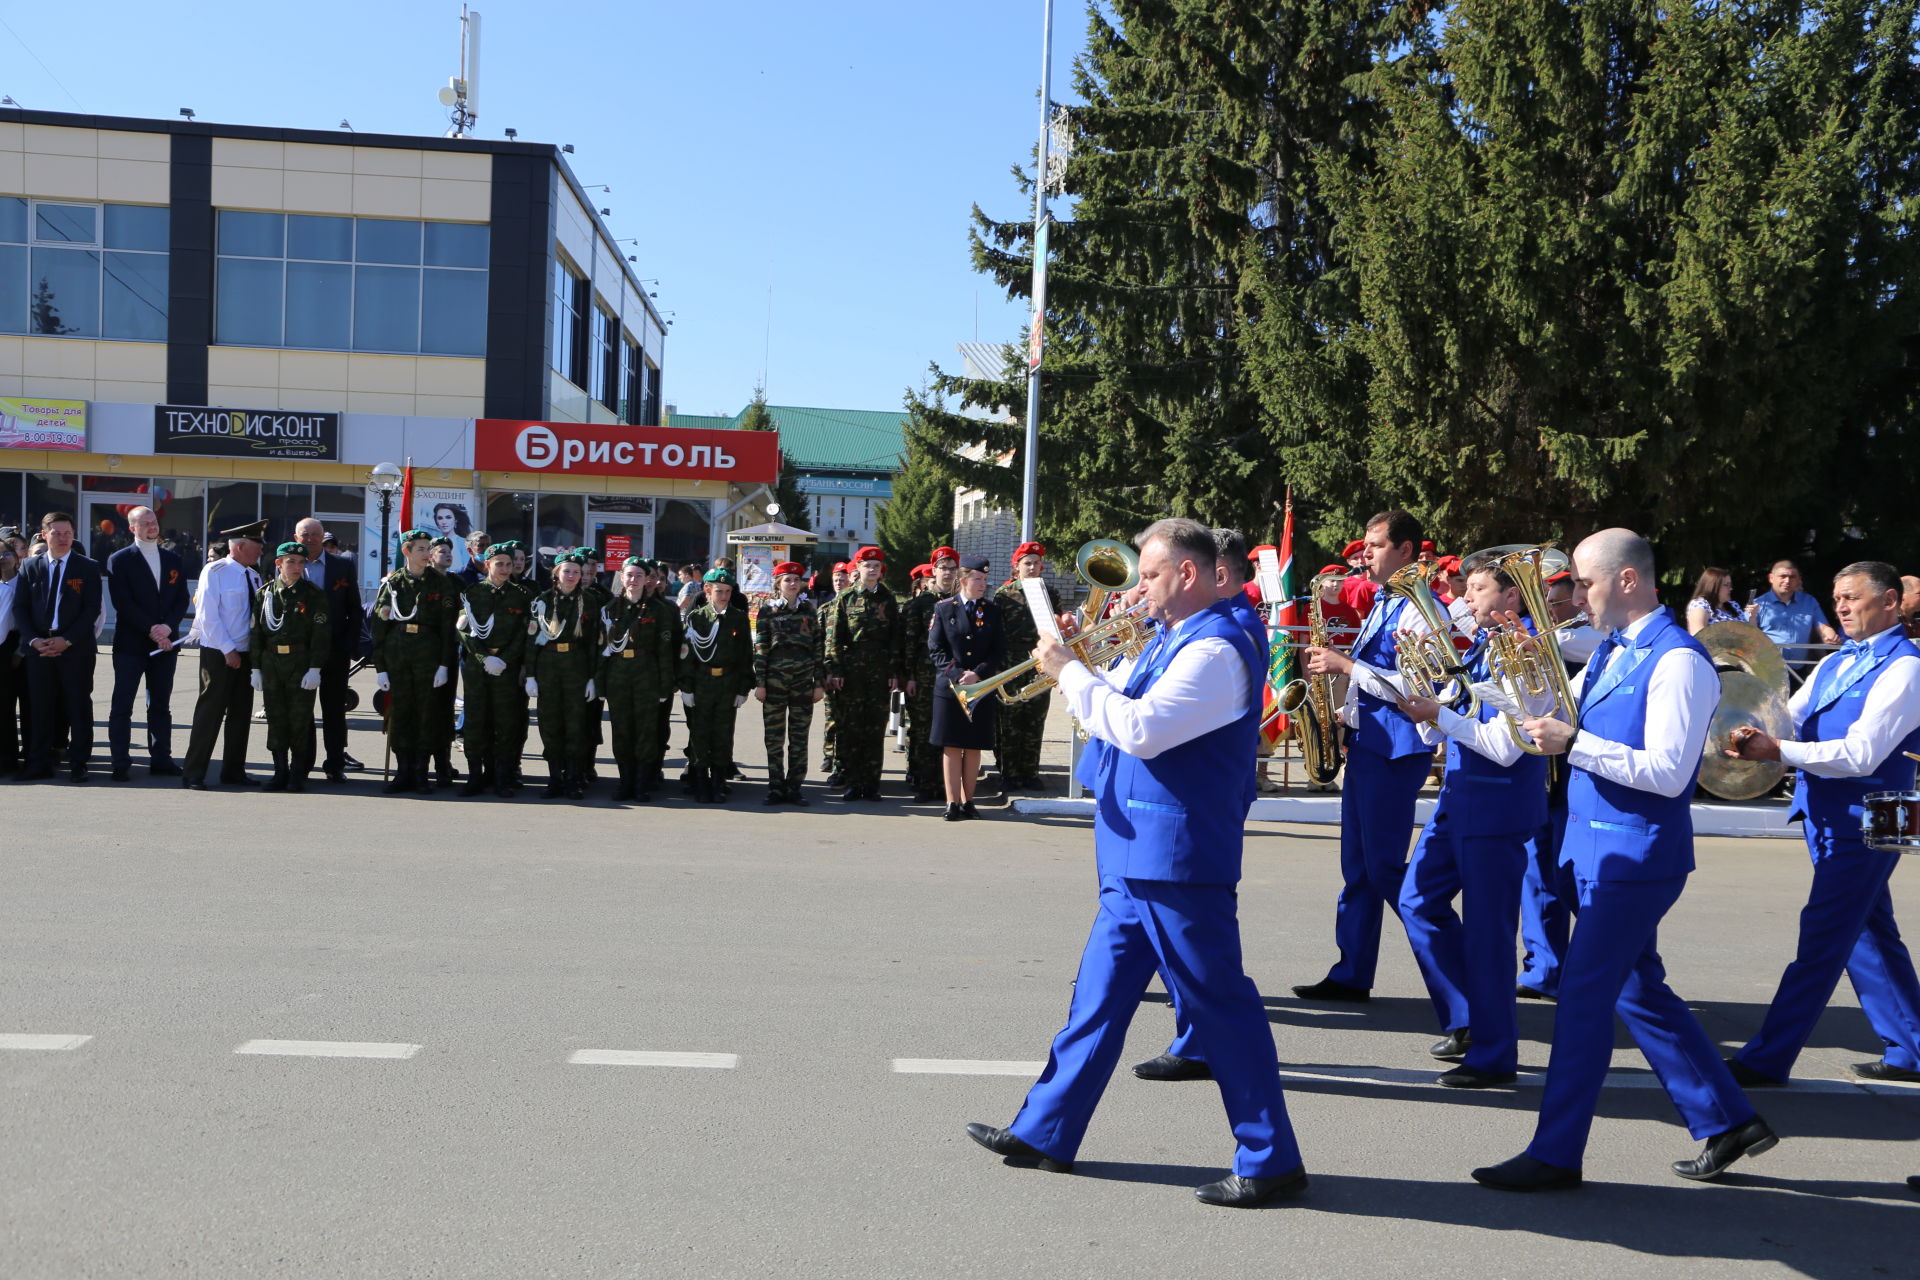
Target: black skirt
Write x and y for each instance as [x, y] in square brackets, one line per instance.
[951, 728]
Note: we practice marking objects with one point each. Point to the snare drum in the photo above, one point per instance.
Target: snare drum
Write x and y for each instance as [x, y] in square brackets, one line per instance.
[1890, 821]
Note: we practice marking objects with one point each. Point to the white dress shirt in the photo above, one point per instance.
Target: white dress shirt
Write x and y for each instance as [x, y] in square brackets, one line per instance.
[1205, 687]
[1489, 738]
[225, 617]
[7, 590]
[1682, 692]
[1388, 686]
[1578, 643]
[1892, 711]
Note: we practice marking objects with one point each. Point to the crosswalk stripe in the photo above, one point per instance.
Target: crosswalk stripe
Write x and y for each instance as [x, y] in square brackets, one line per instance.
[652, 1058]
[966, 1067]
[25, 1040]
[328, 1049]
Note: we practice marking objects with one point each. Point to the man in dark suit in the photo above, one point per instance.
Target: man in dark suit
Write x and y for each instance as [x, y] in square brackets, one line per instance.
[338, 578]
[148, 587]
[58, 603]
[12, 693]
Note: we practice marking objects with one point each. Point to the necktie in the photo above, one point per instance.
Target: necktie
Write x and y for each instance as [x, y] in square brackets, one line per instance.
[54, 568]
[1597, 665]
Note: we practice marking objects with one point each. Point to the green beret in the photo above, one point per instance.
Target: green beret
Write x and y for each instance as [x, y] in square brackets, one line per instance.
[583, 551]
[443, 541]
[637, 562]
[572, 557]
[718, 575]
[415, 535]
[497, 549]
[291, 549]
[510, 546]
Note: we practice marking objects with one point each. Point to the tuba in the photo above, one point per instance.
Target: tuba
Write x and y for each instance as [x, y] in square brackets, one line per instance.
[1427, 661]
[1309, 699]
[1529, 666]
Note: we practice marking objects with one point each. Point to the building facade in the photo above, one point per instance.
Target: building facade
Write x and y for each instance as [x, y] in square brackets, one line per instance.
[229, 322]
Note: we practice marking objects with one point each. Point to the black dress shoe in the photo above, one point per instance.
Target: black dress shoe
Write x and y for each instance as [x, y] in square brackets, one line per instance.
[1749, 1139]
[953, 814]
[122, 775]
[1453, 1046]
[1464, 1077]
[1534, 993]
[165, 769]
[1337, 992]
[1002, 1143]
[798, 797]
[1747, 1078]
[1170, 1066]
[771, 798]
[1524, 1173]
[351, 763]
[969, 810]
[78, 775]
[1236, 1192]
[1884, 1071]
[194, 784]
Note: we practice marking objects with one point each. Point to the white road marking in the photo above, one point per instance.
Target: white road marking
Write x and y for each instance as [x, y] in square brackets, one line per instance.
[23, 1040]
[1400, 1076]
[652, 1058]
[328, 1049]
[966, 1067]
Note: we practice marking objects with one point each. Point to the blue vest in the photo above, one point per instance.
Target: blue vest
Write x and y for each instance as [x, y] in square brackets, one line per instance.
[1616, 832]
[1483, 798]
[1381, 728]
[1181, 815]
[1832, 806]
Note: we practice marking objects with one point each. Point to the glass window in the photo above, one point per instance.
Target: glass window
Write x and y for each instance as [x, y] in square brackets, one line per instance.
[319, 305]
[13, 219]
[247, 305]
[456, 244]
[134, 296]
[284, 505]
[632, 383]
[683, 532]
[46, 492]
[230, 504]
[12, 514]
[73, 223]
[318, 238]
[510, 517]
[603, 373]
[562, 517]
[13, 288]
[387, 240]
[252, 235]
[454, 313]
[137, 226]
[386, 309]
[66, 292]
[181, 506]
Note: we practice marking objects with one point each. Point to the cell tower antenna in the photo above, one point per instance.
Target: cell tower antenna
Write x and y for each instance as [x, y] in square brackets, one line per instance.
[462, 92]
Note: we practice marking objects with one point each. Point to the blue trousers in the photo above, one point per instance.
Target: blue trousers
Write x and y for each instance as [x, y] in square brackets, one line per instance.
[1191, 934]
[1544, 920]
[1612, 968]
[1846, 927]
[1376, 821]
[1468, 964]
[130, 667]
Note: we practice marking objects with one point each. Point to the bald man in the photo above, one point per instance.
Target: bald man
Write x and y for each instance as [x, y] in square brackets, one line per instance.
[1910, 604]
[148, 587]
[334, 575]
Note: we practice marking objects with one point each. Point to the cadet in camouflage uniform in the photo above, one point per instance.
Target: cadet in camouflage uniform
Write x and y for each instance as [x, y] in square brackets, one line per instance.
[446, 717]
[669, 610]
[638, 669]
[829, 729]
[916, 620]
[493, 639]
[290, 641]
[600, 597]
[787, 675]
[1022, 724]
[413, 615]
[863, 664]
[563, 648]
[716, 671]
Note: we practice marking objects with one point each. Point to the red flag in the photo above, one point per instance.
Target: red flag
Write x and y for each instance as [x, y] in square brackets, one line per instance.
[406, 500]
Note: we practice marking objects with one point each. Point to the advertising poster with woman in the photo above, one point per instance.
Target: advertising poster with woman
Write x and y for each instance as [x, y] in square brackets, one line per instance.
[437, 510]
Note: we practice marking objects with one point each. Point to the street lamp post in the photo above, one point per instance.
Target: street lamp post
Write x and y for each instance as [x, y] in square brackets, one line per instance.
[385, 481]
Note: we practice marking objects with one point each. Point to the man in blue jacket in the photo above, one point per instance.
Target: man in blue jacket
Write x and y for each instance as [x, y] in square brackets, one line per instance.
[1645, 702]
[148, 587]
[55, 608]
[1172, 732]
[1856, 719]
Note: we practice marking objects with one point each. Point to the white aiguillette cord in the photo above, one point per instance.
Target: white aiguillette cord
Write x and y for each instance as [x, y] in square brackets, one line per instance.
[703, 646]
[474, 627]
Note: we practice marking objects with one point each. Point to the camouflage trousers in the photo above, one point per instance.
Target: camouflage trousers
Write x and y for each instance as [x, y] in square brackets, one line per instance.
[289, 709]
[1018, 735]
[636, 711]
[830, 733]
[861, 729]
[565, 735]
[413, 704]
[787, 716]
[496, 712]
[710, 723]
[923, 758]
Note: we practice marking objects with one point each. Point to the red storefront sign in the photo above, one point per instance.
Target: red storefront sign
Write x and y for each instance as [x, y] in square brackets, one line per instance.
[589, 449]
[619, 547]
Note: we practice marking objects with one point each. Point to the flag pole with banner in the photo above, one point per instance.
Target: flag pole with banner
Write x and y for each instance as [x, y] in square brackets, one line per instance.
[1283, 621]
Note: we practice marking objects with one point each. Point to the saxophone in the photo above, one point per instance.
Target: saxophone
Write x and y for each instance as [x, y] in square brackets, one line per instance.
[1309, 699]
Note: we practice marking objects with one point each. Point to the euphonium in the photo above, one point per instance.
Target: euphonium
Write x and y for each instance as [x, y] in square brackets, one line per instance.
[1427, 660]
[1309, 699]
[1527, 667]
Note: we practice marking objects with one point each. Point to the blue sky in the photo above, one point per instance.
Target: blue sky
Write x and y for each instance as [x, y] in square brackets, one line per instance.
[828, 151]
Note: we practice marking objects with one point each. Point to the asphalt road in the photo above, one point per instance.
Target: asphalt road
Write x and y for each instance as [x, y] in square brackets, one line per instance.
[811, 950]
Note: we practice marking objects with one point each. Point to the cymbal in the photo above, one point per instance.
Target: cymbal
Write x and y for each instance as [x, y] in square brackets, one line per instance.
[1745, 699]
[1742, 646]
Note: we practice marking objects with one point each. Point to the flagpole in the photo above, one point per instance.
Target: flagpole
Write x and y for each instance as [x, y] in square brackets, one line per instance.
[1036, 340]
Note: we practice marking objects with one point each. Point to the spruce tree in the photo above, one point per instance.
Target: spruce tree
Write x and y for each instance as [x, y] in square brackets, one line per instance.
[919, 516]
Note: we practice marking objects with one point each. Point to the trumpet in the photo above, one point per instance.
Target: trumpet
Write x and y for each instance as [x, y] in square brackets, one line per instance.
[1123, 635]
[1427, 660]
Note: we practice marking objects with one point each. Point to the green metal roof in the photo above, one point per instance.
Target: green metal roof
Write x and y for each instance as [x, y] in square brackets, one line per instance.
[827, 439]
[706, 421]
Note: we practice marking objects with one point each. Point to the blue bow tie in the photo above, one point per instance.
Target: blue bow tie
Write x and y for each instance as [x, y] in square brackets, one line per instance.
[1854, 648]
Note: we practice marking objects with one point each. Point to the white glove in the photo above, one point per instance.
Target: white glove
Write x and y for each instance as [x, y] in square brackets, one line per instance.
[589, 691]
[253, 678]
[311, 680]
[494, 666]
[663, 701]
[739, 700]
[381, 682]
[439, 676]
[686, 699]
[533, 687]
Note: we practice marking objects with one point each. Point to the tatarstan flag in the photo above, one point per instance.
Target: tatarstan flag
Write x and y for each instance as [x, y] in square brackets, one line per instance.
[1281, 667]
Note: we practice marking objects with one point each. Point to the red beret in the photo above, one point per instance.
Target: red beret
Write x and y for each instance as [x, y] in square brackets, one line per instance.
[1265, 546]
[869, 553]
[920, 571]
[938, 552]
[785, 567]
[1450, 563]
[841, 566]
[1354, 548]
[1561, 576]
[1426, 546]
[1332, 568]
[1029, 549]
